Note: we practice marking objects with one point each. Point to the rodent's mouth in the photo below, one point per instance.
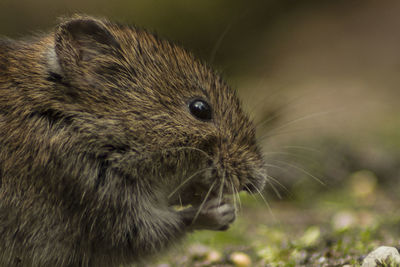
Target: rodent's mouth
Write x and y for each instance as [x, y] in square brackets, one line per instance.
[197, 193]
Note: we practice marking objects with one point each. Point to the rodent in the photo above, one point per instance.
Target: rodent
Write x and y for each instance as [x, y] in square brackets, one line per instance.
[103, 129]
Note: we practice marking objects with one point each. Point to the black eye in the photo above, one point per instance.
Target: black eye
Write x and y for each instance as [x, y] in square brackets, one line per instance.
[200, 109]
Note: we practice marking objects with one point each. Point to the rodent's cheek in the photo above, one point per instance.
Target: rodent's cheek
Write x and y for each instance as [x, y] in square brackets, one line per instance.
[191, 194]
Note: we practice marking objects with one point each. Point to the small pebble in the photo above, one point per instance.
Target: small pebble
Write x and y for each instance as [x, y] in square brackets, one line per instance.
[344, 220]
[213, 256]
[382, 254]
[240, 259]
[198, 250]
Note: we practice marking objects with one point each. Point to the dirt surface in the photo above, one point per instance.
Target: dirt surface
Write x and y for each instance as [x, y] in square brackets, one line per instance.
[337, 228]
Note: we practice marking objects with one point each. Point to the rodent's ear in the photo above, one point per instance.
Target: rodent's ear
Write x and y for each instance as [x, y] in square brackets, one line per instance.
[80, 41]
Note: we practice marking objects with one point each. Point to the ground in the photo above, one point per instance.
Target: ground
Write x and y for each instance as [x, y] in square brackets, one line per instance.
[332, 229]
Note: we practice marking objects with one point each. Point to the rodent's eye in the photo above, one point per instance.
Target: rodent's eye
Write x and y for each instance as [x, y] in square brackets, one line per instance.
[200, 109]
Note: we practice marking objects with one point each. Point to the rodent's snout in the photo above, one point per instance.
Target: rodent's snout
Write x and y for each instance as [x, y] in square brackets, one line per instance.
[237, 170]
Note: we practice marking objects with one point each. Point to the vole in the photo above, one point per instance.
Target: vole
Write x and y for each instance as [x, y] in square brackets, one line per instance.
[104, 128]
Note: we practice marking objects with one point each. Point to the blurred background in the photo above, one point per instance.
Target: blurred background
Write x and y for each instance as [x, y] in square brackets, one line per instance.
[321, 80]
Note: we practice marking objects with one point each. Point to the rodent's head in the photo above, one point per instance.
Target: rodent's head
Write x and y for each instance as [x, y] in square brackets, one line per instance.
[151, 111]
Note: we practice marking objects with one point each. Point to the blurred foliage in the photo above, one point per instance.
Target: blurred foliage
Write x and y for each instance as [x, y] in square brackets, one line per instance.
[228, 29]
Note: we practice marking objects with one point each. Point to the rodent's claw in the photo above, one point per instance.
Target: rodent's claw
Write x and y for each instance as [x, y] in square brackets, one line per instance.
[214, 215]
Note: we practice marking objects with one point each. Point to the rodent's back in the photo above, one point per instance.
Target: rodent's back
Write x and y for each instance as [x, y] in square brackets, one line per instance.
[103, 129]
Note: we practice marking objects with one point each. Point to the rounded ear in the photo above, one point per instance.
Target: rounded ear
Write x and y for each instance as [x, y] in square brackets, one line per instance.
[80, 41]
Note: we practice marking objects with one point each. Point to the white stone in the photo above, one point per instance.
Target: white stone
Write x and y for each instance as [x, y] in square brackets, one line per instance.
[381, 254]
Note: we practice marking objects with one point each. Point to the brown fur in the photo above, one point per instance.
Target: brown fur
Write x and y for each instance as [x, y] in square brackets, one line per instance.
[95, 135]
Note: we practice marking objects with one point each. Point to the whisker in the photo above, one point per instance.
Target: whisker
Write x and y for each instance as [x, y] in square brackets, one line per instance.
[275, 166]
[187, 180]
[252, 195]
[268, 178]
[279, 183]
[294, 131]
[219, 42]
[265, 201]
[280, 153]
[294, 155]
[180, 200]
[234, 197]
[203, 202]
[274, 188]
[277, 93]
[306, 117]
[221, 189]
[238, 197]
[302, 170]
[270, 118]
[224, 33]
[303, 148]
[278, 113]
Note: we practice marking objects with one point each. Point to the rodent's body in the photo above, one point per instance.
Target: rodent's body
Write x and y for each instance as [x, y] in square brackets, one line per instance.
[97, 144]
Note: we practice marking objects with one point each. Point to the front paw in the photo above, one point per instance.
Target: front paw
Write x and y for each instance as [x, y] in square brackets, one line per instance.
[213, 215]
